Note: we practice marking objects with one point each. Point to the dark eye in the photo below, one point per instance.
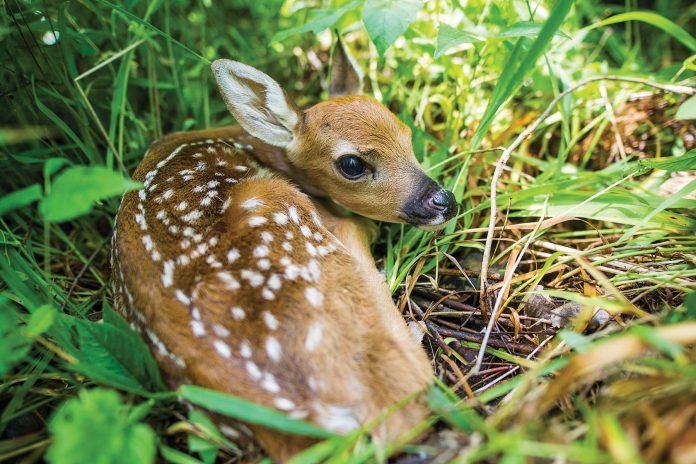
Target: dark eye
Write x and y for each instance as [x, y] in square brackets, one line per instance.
[351, 167]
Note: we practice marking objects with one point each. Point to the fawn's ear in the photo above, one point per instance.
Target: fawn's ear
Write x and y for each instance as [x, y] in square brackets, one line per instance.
[346, 77]
[257, 102]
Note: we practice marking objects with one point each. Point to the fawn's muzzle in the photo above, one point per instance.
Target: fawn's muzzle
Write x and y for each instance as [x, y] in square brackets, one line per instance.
[431, 205]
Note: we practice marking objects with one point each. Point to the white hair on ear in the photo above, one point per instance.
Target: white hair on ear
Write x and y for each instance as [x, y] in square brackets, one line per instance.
[257, 102]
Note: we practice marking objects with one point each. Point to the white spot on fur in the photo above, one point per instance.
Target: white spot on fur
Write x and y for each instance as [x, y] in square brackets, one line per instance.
[314, 334]
[245, 349]
[255, 279]
[280, 218]
[221, 331]
[230, 282]
[232, 255]
[261, 251]
[252, 203]
[238, 313]
[339, 419]
[222, 348]
[266, 236]
[314, 297]
[292, 212]
[197, 328]
[192, 216]
[284, 404]
[253, 370]
[269, 383]
[256, 221]
[273, 349]
[270, 320]
[274, 282]
[168, 274]
[181, 296]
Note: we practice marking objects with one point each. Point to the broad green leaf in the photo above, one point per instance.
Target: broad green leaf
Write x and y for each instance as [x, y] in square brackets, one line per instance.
[518, 65]
[20, 198]
[111, 353]
[653, 19]
[687, 110]
[247, 411]
[386, 20]
[74, 191]
[685, 162]
[448, 37]
[96, 428]
[318, 21]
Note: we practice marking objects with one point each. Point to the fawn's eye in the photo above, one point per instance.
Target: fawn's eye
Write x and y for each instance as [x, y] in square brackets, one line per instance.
[351, 167]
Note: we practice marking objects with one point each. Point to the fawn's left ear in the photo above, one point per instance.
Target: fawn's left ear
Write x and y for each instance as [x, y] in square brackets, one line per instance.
[257, 102]
[346, 77]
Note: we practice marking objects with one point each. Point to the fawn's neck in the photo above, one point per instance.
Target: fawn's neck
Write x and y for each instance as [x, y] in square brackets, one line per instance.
[277, 160]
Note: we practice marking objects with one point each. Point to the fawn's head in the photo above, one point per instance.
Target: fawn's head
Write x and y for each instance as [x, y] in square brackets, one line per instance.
[350, 147]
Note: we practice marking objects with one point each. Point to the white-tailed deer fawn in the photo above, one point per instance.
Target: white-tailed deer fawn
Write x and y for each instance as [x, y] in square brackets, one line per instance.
[243, 283]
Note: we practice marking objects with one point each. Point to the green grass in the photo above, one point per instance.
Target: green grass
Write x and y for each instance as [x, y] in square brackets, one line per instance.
[611, 163]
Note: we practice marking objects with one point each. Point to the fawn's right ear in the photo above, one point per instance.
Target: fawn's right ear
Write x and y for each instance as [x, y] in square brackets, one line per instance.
[257, 102]
[346, 77]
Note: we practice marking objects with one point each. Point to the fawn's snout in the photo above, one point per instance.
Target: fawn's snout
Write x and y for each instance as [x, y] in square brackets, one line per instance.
[429, 206]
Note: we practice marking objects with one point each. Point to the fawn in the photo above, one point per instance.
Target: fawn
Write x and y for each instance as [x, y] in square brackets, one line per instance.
[242, 279]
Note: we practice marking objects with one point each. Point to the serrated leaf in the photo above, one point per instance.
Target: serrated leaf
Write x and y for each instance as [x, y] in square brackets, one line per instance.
[687, 110]
[386, 20]
[318, 21]
[247, 411]
[114, 355]
[448, 37]
[97, 428]
[75, 191]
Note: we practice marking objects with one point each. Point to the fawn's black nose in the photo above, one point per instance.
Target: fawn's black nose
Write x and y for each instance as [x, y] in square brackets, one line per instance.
[430, 206]
[442, 201]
